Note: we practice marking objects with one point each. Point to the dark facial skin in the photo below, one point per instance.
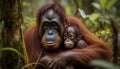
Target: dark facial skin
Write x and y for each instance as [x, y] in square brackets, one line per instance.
[51, 29]
[70, 37]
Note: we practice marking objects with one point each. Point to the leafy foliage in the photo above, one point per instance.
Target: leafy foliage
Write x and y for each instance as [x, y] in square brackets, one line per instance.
[104, 65]
[107, 4]
[11, 49]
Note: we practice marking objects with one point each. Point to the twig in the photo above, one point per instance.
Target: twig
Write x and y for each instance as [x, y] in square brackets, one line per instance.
[77, 6]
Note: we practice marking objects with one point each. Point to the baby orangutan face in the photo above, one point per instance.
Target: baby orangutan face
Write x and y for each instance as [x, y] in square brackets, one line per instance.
[70, 37]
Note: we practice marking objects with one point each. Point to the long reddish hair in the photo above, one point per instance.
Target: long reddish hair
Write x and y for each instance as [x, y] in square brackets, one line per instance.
[92, 40]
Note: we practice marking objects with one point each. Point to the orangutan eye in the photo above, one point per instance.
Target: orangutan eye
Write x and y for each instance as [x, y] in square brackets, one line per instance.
[71, 36]
[65, 36]
[54, 25]
[46, 25]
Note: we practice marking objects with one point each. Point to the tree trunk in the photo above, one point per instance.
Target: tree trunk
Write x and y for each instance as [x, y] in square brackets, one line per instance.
[115, 40]
[11, 17]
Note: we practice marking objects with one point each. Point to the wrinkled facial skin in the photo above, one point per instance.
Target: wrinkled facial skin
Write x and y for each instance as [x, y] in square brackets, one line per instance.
[69, 37]
[51, 29]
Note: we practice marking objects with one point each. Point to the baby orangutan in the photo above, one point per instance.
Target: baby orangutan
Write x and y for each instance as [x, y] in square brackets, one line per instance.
[73, 37]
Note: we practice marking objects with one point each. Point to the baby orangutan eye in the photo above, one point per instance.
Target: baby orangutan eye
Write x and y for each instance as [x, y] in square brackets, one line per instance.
[65, 36]
[71, 36]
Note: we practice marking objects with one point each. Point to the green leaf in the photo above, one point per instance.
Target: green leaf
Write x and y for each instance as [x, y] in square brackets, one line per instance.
[68, 10]
[110, 3]
[11, 49]
[106, 4]
[104, 64]
[103, 3]
[25, 3]
[94, 16]
[96, 5]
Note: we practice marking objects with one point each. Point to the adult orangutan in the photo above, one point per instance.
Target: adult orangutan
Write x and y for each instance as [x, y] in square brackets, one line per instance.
[44, 41]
